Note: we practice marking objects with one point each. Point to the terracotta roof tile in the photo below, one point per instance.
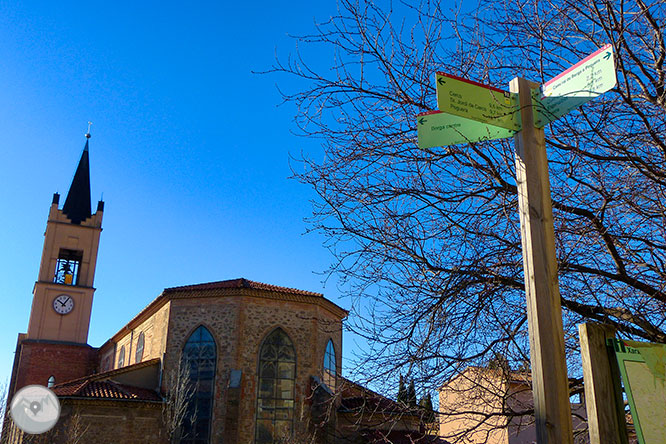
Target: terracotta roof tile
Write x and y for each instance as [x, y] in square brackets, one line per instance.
[105, 390]
[241, 283]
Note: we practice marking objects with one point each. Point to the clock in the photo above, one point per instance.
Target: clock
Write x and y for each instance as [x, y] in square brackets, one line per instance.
[63, 304]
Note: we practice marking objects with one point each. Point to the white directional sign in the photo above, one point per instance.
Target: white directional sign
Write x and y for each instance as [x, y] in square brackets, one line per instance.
[587, 79]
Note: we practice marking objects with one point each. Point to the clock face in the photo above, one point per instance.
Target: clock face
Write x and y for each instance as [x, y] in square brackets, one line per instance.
[63, 304]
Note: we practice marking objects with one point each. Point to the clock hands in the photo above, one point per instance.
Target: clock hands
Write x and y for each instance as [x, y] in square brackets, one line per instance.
[63, 304]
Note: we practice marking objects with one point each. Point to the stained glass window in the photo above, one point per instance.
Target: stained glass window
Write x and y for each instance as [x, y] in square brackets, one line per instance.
[199, 358]
[329, 365]
[275, 396]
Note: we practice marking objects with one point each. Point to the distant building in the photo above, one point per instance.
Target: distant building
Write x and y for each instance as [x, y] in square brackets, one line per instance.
[494, 406]
[261, 363]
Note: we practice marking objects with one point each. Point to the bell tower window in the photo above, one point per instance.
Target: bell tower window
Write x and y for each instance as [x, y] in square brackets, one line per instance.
[67, 267]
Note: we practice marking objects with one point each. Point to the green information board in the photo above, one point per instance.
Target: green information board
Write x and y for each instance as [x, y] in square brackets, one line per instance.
[436, 128]
[642, 366]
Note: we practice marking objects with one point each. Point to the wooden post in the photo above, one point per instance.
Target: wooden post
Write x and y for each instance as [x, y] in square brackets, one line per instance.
[550, 385]
[605, 418]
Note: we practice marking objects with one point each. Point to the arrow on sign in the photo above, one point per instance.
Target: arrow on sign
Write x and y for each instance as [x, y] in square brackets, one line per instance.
[587, 79]
[443, 129]
[482, 103]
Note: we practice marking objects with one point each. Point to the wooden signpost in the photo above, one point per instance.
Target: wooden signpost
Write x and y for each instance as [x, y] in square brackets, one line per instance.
[472, 112]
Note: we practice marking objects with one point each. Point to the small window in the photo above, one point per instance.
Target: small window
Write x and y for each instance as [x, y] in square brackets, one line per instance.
[121, 357]
[329, 365]
[51, 382]
[139, 348]
[67, 267]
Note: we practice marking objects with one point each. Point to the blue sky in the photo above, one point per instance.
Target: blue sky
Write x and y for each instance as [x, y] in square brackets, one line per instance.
[188, 148]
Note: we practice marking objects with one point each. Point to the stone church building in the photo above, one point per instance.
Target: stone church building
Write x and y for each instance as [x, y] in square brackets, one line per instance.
[234, 361]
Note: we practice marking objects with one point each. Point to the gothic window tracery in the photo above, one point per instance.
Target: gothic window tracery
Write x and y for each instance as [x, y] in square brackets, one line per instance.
[275, 396]
[199, 361]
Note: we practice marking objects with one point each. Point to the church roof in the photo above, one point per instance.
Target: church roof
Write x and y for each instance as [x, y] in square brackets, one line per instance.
[240, 283]
[105, 390]
[77, 203]
[231, 287]
[105, 385]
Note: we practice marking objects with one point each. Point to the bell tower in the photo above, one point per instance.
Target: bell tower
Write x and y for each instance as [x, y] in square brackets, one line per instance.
[55, 348]
[63, 293]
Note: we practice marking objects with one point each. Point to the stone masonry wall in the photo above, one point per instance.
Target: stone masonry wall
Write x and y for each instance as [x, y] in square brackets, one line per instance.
[308, 326]
[220, 317]
[154, 329]
[239, 325]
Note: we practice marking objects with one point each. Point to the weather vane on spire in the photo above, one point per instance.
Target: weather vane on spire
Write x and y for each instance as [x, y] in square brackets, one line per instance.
[88, 132]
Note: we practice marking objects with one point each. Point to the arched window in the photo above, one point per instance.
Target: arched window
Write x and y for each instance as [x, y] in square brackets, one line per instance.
[275, 397]
[329, 365]
[199, 360]
[121, 356]
[139, 348]
[51, 382]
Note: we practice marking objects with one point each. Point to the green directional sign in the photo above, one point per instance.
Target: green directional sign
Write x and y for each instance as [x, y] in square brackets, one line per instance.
[581, 83]
[475, 101]
[436, 128]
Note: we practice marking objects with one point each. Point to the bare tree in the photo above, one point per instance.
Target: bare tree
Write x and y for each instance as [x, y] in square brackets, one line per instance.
[176, 405]
[4, 412]
[76, 428]
[428, 243]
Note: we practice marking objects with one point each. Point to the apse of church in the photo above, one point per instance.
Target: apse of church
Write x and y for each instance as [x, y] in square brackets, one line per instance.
[251, 348]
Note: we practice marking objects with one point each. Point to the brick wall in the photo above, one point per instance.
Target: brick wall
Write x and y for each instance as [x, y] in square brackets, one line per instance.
[37, 361]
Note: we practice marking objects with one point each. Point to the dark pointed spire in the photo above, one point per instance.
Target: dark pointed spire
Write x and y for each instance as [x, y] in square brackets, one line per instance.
[77, 203]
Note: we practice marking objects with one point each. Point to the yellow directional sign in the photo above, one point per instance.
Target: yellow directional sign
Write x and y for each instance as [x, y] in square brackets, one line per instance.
[587, 79]
[472, 100]
[436, 128]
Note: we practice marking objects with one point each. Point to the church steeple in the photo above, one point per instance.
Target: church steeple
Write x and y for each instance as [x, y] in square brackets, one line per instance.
[77, 203]
[63, 293]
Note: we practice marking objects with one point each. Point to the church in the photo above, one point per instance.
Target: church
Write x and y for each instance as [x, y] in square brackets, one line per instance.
[232, 361]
